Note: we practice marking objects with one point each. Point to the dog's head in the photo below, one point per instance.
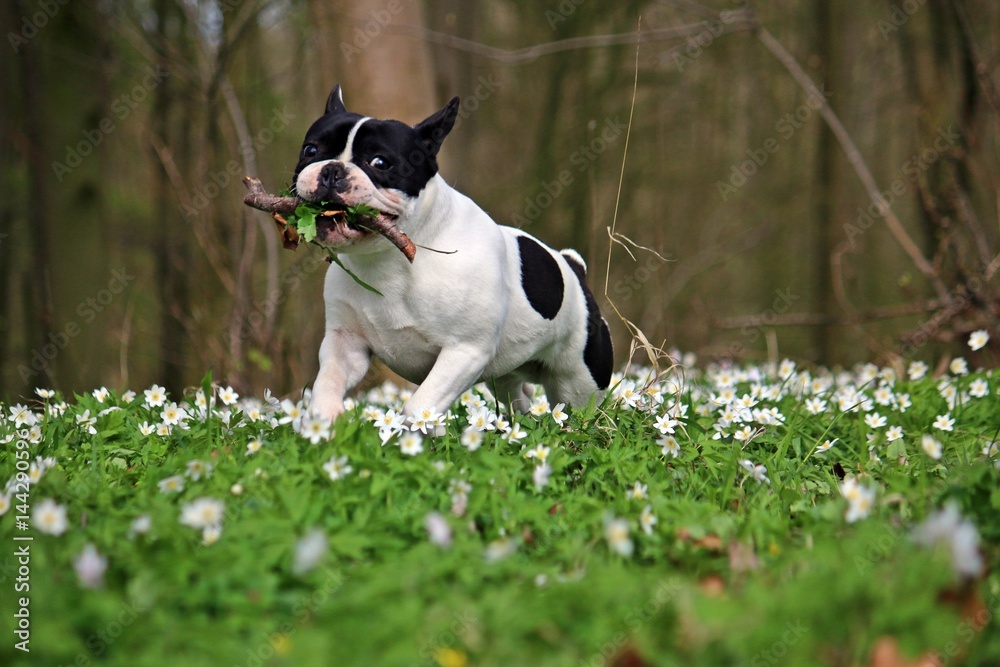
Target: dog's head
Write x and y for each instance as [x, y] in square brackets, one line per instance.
[348, 159]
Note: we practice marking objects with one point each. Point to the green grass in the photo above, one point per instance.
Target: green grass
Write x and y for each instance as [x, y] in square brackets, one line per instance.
[734, 571]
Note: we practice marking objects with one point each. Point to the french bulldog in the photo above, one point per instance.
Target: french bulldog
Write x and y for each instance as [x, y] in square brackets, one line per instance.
[493, 304]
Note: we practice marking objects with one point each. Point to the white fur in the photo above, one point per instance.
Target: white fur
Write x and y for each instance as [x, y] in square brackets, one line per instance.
[448, 321]
[349, 146]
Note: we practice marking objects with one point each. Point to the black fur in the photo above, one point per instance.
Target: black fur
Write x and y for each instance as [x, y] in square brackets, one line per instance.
[541, 278]
[598, 354]
[409, 153]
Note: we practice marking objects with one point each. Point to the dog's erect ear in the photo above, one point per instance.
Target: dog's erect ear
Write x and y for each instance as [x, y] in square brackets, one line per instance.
[433, 130]
[335, 102]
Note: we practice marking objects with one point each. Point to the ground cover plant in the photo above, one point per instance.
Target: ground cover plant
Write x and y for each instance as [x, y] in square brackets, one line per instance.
[756, 515]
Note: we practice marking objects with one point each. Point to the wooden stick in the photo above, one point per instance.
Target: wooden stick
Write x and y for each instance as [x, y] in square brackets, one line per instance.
[258, 198]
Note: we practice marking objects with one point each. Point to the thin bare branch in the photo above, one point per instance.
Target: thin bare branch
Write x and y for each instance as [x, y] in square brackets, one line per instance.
[248, 254]
[982, 69]
[825, 319]
[737, 21]
[854, 157]
[688, 268]
[166, 159]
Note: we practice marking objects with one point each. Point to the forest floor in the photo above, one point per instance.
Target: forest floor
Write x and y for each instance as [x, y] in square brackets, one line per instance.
[756, 515]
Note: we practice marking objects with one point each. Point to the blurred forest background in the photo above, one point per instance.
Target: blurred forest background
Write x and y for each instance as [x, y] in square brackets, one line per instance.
[127, 257]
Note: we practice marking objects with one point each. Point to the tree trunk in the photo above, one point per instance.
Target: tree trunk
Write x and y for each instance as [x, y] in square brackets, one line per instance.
[7, 207]
[172, 262]
[384, 75]
[38, 309]
[826, 231]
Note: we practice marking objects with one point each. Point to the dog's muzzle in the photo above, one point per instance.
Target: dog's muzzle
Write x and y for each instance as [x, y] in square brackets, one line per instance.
[324, 182]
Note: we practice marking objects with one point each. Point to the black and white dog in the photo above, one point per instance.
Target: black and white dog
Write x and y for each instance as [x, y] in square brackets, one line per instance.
[500, 307]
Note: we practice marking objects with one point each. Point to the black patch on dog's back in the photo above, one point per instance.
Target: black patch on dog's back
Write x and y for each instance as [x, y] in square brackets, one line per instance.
[598, 353]
[541, 278]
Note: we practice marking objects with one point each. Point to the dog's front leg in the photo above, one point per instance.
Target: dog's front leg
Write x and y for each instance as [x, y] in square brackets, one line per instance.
[344, 358]
[456, 369]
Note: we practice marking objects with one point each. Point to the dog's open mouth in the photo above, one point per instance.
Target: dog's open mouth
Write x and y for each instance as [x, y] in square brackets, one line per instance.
[340, 227]
[334, 224]
[340, 213]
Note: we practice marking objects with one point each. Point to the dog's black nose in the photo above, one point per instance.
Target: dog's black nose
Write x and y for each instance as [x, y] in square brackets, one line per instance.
[332, 175]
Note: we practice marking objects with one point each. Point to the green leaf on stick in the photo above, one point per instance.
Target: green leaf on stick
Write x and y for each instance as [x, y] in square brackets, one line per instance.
[303, 221]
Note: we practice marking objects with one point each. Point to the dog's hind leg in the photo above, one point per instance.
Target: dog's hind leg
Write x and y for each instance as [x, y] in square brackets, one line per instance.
[574, 387]
[514, 392]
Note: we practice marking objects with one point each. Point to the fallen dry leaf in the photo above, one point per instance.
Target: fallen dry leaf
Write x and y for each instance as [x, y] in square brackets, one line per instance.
[886, 654]
[713, 586]
[710, 542]
[629, 656]
[742, 557]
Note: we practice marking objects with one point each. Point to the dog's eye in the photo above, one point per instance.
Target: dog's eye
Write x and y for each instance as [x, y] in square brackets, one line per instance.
[309, 150]
[379, 162]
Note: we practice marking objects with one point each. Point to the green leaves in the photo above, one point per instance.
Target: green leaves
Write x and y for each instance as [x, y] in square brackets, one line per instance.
[336, 260]
[790, 568]
[304, 218]
[356, 213]
[304, 222]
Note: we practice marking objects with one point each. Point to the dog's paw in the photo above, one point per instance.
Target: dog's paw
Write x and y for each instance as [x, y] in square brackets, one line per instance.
[328, 410]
